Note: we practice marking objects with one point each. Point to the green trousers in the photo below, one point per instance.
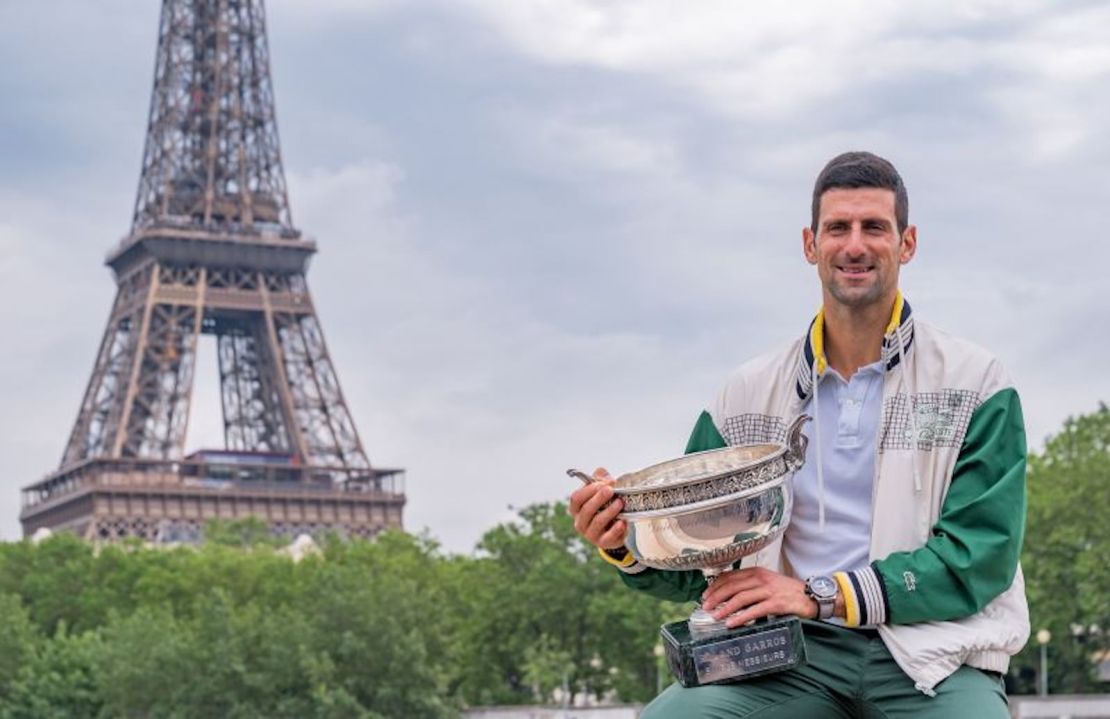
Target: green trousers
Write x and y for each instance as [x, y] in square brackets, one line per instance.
[849, 674]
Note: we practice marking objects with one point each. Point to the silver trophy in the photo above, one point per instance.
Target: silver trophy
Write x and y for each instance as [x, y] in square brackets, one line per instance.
[707, 511]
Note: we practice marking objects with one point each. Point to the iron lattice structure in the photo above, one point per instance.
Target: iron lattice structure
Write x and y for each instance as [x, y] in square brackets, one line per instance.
[213, 250]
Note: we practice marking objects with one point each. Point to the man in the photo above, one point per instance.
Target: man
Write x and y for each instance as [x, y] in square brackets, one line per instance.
[911, 500]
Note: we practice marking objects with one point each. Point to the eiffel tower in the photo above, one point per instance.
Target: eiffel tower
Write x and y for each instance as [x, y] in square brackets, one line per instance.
[213, 250]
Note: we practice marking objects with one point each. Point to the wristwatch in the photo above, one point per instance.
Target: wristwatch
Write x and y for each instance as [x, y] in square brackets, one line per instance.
[823, 590]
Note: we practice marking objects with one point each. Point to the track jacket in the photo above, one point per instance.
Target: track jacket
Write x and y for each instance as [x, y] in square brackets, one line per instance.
[944, 586]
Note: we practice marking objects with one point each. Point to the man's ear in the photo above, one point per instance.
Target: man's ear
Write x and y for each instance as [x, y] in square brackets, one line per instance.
[809, 245]
[909, 244]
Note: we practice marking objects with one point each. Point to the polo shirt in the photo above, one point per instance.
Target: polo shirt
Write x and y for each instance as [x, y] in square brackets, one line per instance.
[847, 416]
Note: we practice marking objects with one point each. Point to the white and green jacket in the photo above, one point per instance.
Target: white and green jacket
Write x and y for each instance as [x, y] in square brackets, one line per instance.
[944, 586]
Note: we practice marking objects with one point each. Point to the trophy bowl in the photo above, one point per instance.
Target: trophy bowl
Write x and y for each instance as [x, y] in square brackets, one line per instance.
[706, 511]
[709, 509]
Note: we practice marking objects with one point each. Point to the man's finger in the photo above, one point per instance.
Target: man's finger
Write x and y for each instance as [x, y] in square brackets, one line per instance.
[579, 497]
[726, 586]
[732, 585]
[600, 494]
[614, 536]
[603, 520]
[756, 611]
[578, 502]
[738, 602]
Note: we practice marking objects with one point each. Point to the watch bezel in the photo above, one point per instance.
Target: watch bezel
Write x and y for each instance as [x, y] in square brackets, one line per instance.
[822, 588]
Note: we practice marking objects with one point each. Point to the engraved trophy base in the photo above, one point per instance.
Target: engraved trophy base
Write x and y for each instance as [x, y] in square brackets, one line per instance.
[734, 654]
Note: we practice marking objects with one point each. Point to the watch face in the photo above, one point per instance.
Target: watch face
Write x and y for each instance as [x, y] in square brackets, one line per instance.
[823, 587]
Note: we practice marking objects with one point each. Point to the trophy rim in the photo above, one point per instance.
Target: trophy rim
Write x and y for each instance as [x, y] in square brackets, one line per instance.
[701, 505]
[777, 450]
[654, 492]
[743, 481]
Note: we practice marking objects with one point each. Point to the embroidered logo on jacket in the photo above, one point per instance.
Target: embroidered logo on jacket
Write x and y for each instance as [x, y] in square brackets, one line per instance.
[941, 419]
[910, 580]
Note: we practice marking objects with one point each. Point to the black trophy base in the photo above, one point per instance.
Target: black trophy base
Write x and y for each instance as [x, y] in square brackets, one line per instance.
[735, 654]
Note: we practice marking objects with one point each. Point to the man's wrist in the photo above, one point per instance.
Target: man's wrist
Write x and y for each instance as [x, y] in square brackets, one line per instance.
[617, 554]
[847, 604]
[823, 590]
[621, 558]
[864, 597]
[839, 610]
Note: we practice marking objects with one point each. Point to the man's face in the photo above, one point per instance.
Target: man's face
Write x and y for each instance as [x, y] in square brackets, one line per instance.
[857, 248]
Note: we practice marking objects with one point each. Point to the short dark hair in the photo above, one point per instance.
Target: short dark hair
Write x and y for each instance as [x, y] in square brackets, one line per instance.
[852, 170]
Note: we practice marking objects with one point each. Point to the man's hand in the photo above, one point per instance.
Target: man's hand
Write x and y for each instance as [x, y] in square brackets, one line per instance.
[744, 595]
[595, 516]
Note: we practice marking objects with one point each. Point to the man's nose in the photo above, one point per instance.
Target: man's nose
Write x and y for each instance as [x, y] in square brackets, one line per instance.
[855, 244]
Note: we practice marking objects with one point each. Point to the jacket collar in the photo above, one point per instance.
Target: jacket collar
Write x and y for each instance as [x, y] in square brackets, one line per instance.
[813, 349]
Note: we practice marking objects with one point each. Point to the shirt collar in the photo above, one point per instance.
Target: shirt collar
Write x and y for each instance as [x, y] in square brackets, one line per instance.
[813, 350]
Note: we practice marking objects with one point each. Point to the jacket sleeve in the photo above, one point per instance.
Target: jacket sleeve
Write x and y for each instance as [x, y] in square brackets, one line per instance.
[677, 586]
[972, 554]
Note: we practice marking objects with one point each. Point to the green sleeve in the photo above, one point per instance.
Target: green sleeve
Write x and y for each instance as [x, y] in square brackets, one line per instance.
[680, 586]
[673, 586]
[973, 552]
[705, 435]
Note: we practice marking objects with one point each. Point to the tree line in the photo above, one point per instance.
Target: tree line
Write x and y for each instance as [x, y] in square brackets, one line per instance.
[397, 628]
[385, 629]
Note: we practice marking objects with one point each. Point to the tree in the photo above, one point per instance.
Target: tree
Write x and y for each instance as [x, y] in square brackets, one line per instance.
[56, 680]
[1067, 541]
[18, 641]
[386, 628]
[544, 603]
[378, 613]
[247, 532]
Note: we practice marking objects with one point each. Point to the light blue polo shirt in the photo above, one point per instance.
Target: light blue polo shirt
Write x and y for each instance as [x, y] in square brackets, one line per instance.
[850, 411]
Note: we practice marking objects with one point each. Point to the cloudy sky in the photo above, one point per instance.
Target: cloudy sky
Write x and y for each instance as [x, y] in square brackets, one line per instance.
[549, 228]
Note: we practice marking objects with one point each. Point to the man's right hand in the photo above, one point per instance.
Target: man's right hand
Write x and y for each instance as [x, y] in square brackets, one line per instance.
[595, 511]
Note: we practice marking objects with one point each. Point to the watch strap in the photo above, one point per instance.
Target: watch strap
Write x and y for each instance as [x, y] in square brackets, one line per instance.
[826, 606]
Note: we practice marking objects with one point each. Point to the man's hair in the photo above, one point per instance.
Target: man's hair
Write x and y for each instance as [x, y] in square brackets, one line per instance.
[853, 170]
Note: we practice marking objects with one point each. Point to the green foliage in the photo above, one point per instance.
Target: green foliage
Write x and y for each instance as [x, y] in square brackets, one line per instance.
[378, 630]
[56, 681]
[546, 603]
[1067, 542]
[18, 641]
[248, 532]
[546, 668]
[53, 579]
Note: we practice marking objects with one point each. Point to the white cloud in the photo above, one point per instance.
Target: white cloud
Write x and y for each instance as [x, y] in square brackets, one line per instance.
[768, 63]
[603, 148]
[751, 60]
[319, 11]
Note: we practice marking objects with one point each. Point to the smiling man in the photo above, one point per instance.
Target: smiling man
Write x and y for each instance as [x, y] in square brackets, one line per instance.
[902, 552]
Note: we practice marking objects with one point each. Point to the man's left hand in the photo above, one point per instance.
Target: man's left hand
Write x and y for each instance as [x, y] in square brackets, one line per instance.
[744, 595]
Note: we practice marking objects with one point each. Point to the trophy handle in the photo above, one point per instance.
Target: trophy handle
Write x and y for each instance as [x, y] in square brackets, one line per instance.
[579, 474]
[796, 443]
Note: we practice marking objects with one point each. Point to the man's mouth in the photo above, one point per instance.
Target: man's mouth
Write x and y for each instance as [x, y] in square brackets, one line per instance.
[855, 269]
